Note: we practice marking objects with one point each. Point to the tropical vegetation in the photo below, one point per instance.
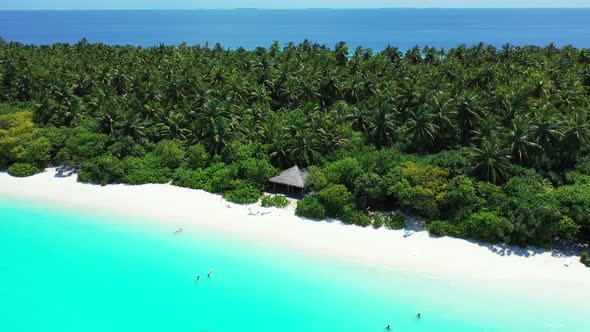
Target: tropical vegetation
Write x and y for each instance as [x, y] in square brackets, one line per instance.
[482, 142]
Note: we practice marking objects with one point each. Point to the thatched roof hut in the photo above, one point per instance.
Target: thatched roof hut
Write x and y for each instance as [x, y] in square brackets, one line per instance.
[292, 177]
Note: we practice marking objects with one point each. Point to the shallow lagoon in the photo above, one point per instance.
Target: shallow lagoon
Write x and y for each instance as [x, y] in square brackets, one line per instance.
[69, 271]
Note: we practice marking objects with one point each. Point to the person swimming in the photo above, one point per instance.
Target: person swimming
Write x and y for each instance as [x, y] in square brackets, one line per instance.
[179, 230]
[209, 273]
[198, 278]
[388, 327]
[418, 315]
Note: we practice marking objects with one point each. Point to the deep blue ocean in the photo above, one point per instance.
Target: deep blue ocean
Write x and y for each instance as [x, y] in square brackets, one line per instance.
[250, 28]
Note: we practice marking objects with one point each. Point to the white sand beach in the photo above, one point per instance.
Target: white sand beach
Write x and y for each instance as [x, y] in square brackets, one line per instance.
[530, 270]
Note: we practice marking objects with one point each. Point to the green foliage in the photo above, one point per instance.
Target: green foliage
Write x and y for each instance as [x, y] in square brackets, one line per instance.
[337, 200]
[83, 145]
[38, 152]
[125, 147]
[103, 170]
[279, 201]
[189, 178]
[221, 178]
[197, 156]
[410, 132]
[12, 108]
[394, 221]
[493, 197]
[583, 165]
[310, 207]
[585, 259]
[244, 193]
[567, 229]
[17, 131]
[343, 171]
[170, 153]
[356, 218]
[236, 152]
[369, 186]
[57, 136]
[456, 161]
[255, 171]
[442, 228]
[316, 179]
[377, 220]
[573, 202]
[462, 197]
[145, 170]
[418, 187]
[488, 227]
[529, 182]
[22, 170]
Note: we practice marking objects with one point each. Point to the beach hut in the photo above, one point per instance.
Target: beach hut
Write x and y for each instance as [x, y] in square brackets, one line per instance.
[292, 178]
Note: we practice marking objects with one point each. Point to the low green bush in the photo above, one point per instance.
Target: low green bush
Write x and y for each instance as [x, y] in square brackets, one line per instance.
[378, 220]
[23, 170]
[38, 152]
[310, 207]
[394, 221]
[222, 178]
[197, 156]
[145, 170]
[337, 200]
[170, 153]
[255, 171]
[194, 179]
[147, 176]
[356, 218]
[243, 194]
[279, 201]
[446, 228]
[487, 227]
[585, 259]
[101, 170]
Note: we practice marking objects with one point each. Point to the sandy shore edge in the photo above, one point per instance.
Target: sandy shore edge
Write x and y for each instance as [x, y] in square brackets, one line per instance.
[534, 269]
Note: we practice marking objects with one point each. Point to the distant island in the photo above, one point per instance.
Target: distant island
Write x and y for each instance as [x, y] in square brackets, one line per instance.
[482, 143]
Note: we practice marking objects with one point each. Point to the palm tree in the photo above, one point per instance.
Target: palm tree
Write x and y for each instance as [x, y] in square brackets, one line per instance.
[359, 119]
[577, 132]
[468, 115]
[442, 108]
[109, 120]
[486, 131]
[548, 129]
[304, 149]
[45, 109]
[133, 127]
[520, 139]
[491, 162]
[421, 129]
[382, 126]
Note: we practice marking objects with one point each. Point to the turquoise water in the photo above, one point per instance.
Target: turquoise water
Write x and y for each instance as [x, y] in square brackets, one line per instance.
[64, 271]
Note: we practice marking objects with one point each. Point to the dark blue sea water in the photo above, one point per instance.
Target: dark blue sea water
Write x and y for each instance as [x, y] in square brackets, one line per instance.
[249, 28]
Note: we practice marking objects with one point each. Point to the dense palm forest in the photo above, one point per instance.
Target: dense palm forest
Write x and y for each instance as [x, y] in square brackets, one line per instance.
[483, 143]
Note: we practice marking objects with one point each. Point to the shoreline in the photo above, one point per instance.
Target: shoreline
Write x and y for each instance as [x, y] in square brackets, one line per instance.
[385, 250]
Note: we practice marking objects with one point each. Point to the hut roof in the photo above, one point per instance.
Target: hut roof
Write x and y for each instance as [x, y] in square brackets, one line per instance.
[294, 177]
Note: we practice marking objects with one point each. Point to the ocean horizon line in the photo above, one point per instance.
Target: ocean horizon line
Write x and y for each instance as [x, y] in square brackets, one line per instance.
[290, 9]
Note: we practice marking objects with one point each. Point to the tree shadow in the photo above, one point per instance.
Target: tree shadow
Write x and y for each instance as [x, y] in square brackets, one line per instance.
[413, 222]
